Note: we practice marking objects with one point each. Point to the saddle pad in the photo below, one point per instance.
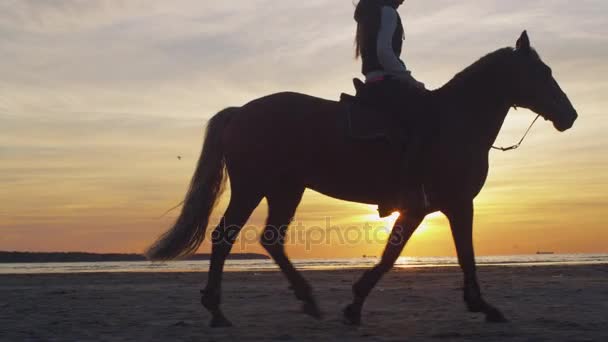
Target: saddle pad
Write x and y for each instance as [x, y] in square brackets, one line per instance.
[366, 124]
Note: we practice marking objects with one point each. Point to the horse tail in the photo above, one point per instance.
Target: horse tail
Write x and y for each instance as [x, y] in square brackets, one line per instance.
[206, 186]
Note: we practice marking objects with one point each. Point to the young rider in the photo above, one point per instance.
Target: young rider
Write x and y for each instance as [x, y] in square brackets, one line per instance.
[379, 43]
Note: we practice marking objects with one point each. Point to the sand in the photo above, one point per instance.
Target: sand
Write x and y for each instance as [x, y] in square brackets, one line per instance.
[548, 303]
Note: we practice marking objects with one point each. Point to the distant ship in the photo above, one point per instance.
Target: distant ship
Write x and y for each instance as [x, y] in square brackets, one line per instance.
[544, 253]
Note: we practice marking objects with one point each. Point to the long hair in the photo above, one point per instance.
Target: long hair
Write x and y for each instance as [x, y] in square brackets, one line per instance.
[367, 15]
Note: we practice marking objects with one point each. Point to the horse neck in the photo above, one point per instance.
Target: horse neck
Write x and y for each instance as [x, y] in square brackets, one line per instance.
[480, 103]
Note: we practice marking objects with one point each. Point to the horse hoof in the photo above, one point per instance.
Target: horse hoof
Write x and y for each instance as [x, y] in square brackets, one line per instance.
[475, 306]
[493, 315]
[311, 308]
[352, 315]
[220, 322]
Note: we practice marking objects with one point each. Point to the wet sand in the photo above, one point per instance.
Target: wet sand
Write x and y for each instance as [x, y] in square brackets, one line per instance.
[548, 303]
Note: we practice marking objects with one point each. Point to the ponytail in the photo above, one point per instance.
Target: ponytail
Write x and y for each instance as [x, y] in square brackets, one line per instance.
[362, 16]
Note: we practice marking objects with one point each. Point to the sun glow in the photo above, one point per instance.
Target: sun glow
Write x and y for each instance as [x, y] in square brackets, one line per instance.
[427, 226]
[387, 222]
[422, 229]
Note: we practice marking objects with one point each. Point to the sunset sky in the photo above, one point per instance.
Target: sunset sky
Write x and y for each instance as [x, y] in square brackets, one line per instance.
[99, 97]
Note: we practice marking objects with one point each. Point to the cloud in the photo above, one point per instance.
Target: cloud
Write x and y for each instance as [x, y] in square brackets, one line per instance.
[97, 97]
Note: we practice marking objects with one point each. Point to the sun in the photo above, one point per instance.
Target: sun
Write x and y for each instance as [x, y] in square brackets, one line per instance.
[387, 223]
[432, 225]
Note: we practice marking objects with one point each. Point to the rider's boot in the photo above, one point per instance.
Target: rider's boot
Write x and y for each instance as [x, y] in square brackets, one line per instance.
[415, 199]
[387, 208]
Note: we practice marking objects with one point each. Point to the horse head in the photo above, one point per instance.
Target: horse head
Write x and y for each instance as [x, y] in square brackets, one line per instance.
[535, 88]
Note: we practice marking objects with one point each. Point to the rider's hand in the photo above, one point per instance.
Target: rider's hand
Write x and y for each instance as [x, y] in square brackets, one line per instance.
[408, 79]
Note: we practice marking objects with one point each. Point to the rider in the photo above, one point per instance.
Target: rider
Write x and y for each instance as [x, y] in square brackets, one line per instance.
[379, 42]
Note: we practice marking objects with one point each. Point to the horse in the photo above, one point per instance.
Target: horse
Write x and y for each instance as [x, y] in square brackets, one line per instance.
[277, 146]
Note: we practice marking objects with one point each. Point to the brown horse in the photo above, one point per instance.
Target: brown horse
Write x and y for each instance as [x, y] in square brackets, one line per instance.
[277, 146]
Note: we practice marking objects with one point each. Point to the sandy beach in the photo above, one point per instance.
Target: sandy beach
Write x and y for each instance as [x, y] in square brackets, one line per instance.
[556, 303]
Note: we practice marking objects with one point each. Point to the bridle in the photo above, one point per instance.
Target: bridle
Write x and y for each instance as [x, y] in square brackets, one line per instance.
[516, 146]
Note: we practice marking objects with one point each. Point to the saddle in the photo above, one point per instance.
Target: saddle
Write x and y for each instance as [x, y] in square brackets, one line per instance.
[368, 119]
[365, 123]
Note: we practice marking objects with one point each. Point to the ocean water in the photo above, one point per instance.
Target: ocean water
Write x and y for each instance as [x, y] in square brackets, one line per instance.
[307, 264]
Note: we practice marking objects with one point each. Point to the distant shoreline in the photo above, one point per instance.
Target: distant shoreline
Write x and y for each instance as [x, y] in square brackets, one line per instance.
[59, 257]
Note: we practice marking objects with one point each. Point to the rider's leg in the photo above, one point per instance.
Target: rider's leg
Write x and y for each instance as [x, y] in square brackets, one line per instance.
[406, 103]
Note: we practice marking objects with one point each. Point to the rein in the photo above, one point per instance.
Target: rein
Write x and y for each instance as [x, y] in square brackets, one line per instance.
[516, 146]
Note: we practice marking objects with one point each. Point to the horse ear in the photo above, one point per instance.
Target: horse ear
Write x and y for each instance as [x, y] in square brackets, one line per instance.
[523, 43]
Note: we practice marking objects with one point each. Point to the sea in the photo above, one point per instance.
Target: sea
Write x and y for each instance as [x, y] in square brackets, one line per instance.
[302, 264]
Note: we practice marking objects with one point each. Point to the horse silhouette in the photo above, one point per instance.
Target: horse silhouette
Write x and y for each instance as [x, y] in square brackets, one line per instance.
[277, 146]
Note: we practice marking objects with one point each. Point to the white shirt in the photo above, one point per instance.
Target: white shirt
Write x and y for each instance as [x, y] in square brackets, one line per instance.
[390, 63]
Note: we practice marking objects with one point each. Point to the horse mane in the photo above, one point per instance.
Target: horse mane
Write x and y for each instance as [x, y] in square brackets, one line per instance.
[500, 57]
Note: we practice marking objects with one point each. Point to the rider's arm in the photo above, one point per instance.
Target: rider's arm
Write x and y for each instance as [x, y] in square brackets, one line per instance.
[386, 55]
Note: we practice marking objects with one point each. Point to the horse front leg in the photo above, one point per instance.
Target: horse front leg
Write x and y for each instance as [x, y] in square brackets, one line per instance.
[401, 233]
[461, 222]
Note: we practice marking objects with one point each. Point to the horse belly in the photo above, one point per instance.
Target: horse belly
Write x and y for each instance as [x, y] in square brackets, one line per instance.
[300, 139]
[358, 172]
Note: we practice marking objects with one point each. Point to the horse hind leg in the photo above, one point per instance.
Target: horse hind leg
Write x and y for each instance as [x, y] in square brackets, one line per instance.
[242, 203]
[401, 233]
[281, 209]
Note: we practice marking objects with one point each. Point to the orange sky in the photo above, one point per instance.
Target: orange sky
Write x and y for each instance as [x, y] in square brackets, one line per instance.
[98, 99]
